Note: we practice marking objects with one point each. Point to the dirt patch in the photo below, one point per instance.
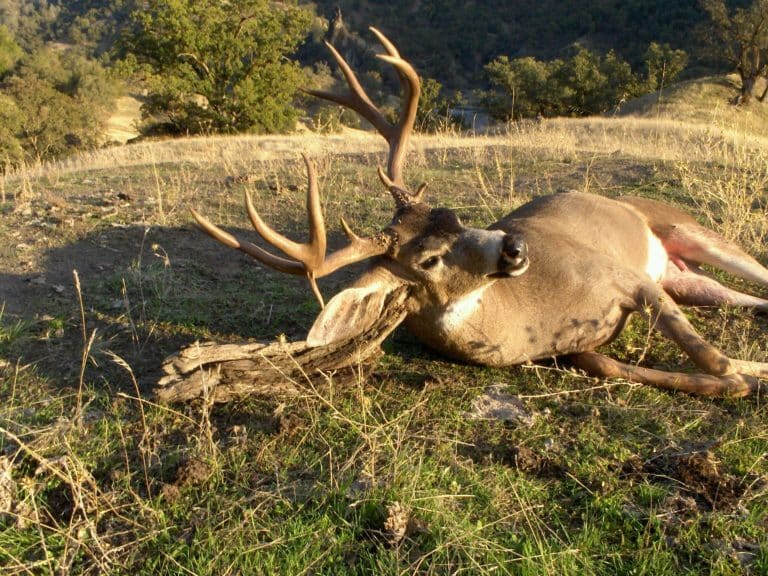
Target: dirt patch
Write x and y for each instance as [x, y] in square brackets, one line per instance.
[192, 472]
[699, 475]
[121, 126]
[533, 462]
[522, 458]
[37, 271]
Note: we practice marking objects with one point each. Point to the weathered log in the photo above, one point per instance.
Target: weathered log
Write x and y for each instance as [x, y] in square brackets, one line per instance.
[226, 372]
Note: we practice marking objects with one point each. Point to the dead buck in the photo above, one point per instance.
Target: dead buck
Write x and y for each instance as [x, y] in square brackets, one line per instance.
[559, 276]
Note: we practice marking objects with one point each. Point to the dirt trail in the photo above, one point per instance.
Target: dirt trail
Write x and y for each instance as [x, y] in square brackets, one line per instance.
[121, 126]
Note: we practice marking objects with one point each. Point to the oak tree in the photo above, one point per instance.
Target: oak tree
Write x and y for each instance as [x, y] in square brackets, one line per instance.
[219, 66]
[740, 37]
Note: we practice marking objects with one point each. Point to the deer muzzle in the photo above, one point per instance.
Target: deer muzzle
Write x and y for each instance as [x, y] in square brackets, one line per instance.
[513, 260]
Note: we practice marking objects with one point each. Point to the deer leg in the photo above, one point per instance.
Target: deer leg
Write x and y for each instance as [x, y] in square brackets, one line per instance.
[691, 242]
[693, 287]
[666, 316]
[601, 366]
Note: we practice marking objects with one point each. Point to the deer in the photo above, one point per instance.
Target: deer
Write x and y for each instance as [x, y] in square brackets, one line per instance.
[558, 277]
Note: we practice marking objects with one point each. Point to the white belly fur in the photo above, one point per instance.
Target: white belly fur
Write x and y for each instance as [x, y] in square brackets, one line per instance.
[656, 265]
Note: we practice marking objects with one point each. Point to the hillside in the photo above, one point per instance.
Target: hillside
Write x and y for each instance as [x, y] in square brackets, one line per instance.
[448, 40]
[695, 107]
[705, 101]
[64, 52]
[452, 41]
[399, 470]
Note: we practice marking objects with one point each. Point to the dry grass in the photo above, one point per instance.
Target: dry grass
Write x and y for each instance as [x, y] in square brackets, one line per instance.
[662, 138]
[705, 101]
[385, 476]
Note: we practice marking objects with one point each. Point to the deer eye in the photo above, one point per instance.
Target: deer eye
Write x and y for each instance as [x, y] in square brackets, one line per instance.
[430, 262]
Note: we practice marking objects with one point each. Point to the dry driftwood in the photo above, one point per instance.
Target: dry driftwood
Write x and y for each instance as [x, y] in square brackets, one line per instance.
[226, 372]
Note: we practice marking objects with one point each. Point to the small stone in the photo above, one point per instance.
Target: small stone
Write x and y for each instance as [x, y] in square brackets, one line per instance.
[494, 404]
[7, 486]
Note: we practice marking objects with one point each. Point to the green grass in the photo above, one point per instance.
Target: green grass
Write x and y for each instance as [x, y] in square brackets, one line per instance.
[609, 478]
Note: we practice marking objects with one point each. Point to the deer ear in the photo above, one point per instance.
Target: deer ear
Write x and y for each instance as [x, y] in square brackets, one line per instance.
[353, 310]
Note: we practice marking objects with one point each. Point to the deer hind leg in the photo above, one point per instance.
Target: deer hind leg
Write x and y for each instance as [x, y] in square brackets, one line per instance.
[692, 286]
[690, 244]
[667, 317]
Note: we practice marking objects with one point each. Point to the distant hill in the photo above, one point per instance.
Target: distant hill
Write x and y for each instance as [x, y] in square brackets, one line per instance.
[449, 40]
[702, 101]
[452, 40]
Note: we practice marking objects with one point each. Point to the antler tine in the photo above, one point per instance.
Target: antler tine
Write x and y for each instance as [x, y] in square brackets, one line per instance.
[409, 80]
[311, 254]
[267, 258]
[358, 249]
[317, 239]
[385, 42]
[307, 259]
[402, 197]
[356, 99]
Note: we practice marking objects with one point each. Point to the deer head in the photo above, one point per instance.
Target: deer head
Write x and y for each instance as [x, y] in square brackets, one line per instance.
[429, 250]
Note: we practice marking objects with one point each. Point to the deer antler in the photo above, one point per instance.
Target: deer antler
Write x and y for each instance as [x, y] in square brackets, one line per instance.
[396, 135]
[308, 259]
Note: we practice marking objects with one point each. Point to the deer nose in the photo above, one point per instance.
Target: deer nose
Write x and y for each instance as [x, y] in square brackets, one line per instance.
[513, 260]
[514, 250]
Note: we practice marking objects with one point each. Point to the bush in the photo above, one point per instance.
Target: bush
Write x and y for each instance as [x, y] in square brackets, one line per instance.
[585, 84]
[57, 102]
[10, 52]
[11, 120]
[435, 110]
[219, 66]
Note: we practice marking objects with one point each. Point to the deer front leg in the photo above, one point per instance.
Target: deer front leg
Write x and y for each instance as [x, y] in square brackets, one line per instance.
[600, 366]
[665, 316]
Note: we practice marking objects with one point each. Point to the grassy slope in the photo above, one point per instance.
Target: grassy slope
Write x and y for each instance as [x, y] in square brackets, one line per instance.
[704, 101]
[607, 478]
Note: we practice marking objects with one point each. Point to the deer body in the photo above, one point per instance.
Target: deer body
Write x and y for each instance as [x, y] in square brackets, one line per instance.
[514, 320]
[559, 276]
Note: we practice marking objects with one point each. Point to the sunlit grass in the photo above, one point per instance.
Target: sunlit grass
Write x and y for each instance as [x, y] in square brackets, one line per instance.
[385, 475]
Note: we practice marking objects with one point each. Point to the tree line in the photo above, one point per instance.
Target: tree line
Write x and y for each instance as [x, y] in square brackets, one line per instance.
[53, 101]
[223, 67]
[582, 85]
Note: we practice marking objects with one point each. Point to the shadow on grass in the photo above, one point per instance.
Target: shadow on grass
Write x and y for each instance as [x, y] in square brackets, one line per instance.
[146, 292]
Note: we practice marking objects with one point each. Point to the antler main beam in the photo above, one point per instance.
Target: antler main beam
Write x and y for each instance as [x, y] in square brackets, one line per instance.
[356, 99]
